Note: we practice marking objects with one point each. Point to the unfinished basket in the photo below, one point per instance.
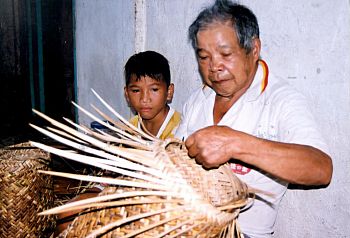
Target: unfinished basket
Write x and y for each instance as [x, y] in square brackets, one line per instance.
[160, 192]
[24, 192]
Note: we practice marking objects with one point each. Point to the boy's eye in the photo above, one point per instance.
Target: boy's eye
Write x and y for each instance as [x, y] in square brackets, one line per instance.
[135, 90]
[155, 89]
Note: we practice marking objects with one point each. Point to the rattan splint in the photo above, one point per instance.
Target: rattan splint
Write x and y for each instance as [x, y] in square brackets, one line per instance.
[159, 190]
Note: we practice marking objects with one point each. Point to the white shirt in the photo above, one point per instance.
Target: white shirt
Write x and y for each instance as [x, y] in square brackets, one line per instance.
[279, 113]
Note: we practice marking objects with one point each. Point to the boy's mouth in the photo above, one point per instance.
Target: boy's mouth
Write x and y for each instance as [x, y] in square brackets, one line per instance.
[145, 109]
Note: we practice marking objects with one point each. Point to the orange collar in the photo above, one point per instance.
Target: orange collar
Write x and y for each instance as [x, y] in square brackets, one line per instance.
[265, 78]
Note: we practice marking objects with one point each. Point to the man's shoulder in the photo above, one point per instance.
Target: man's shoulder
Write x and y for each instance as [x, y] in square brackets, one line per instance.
[282, 90]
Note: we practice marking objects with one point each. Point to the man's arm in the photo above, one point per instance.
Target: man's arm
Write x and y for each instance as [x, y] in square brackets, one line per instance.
[293, 163]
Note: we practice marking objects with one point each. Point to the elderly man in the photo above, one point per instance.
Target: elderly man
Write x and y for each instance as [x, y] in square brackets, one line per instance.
[247, 117]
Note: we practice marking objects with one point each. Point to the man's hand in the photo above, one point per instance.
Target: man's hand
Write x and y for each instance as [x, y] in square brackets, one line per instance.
[293, 163]
[214, 145]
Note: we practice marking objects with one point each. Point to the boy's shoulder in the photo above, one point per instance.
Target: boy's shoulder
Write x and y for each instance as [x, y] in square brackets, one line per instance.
[171, 126]
[177, 115]
[175, 119]
[134, 120]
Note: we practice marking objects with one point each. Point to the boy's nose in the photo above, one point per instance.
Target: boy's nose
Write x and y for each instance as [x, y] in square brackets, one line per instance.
[145, 97]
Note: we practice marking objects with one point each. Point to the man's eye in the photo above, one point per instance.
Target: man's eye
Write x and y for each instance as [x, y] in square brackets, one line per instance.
[226, 54]
[202, 57]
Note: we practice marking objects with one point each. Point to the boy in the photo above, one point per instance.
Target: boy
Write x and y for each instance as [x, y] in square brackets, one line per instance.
[148, 90]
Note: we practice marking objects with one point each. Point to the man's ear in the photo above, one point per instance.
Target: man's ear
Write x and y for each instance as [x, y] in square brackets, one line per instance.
[126, 95]
[170, 93]
[256, 48]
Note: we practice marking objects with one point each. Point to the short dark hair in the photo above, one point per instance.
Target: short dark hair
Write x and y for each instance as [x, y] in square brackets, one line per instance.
[147, 63]
[243, 21]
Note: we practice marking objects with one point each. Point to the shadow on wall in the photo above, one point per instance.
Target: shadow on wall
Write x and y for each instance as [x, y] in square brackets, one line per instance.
[37, 66]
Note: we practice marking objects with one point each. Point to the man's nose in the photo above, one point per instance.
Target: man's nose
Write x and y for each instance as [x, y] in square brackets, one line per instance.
[215, 64]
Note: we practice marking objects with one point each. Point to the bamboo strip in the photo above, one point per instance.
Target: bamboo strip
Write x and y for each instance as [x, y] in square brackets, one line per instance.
[111, 181]
[132, 218]
[121, 118]
[69, 206]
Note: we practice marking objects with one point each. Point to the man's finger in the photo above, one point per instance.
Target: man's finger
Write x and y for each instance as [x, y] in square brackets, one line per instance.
[191, 147]
[189, 141]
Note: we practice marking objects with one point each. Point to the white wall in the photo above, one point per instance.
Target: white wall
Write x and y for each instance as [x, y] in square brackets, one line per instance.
[306, 42]
[105, 38]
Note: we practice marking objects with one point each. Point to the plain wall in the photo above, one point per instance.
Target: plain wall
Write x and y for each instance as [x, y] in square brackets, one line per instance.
[305, 42]
[105, 38]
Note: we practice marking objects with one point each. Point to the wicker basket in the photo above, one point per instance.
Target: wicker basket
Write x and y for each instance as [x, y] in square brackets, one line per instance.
[24, 192]
[159, 192]
[183, 223]
[200, 218]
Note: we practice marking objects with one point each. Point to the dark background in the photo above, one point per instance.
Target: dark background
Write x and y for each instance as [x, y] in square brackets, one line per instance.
[37, 64]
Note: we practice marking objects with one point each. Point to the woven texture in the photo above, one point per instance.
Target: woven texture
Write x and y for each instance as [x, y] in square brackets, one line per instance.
[24, 192]
[159, 191]
[183, 218]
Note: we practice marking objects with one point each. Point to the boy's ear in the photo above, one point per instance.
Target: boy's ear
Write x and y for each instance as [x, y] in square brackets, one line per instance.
[170, 93]
[126, 95]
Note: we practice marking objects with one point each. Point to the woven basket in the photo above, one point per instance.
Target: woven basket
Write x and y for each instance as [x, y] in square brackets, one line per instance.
[24, 192]
[161, 191]
[178, 221]
[217, 187]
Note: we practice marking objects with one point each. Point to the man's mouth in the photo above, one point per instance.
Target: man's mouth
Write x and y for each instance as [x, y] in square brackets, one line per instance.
[220, 78]
[220, 81]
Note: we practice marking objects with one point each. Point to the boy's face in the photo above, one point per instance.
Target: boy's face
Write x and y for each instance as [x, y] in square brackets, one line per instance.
[148, 97]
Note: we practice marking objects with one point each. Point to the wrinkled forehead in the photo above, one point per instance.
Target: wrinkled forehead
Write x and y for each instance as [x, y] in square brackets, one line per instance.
[214, 23]
[216, 32]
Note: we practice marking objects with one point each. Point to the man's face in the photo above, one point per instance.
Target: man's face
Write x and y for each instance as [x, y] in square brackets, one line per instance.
[224, 65]
[147, 96]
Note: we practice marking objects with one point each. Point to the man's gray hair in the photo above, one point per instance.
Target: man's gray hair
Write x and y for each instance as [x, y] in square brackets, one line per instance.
[243, 21]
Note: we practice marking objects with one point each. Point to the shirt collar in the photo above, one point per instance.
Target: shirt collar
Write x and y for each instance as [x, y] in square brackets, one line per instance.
[259, 83]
